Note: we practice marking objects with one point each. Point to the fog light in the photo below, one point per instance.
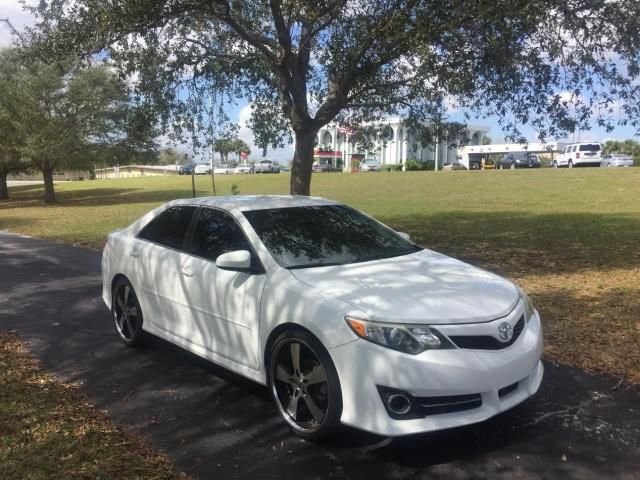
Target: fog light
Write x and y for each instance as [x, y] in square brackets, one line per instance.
[398, 403]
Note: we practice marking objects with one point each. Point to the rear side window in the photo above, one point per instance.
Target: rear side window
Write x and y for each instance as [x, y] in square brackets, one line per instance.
[592, 147]
[217, 232]
[170, 227]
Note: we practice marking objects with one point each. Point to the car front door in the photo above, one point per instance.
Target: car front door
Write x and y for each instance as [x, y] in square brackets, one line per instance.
[156, 258]
[225, 304]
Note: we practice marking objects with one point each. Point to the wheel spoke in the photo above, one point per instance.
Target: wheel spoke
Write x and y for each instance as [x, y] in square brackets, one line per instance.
[313, 408]
[295, 357]
[317, 375]
[130, 329]
[120, 321]
[127, 293]
[120, 303]
[132, 311]
[282, 374]
[292, 408]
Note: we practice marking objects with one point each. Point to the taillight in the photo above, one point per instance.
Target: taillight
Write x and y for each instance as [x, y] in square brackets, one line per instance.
[577, 154]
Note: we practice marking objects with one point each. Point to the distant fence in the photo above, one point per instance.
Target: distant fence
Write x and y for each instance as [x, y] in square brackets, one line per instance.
[129, 171]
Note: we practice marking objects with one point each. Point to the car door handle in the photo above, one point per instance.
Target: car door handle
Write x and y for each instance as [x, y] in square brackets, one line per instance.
[187, 272]
[134, 253]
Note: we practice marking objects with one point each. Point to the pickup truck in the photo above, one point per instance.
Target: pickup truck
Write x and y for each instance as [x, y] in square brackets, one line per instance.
[267, 166]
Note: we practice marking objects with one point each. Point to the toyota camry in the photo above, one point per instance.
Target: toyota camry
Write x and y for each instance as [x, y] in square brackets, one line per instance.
[344, 319]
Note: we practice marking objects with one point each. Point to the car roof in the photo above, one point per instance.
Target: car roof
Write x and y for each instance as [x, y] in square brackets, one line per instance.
[255, 202]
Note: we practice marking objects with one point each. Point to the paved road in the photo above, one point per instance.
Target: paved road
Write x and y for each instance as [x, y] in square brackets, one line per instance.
[212, 423]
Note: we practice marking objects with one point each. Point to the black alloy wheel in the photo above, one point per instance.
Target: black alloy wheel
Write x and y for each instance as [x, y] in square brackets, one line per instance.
[127, 314]
[305, 386]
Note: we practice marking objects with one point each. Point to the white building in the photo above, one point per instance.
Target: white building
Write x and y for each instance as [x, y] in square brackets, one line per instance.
[398, 146]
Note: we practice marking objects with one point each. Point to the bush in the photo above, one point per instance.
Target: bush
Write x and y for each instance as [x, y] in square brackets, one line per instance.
[391, 168]
[415, 165]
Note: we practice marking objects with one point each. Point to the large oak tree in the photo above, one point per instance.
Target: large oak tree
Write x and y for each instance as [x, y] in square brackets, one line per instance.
[553, 64]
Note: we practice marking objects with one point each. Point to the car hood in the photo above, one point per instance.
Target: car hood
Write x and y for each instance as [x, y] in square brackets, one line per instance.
[423, 287]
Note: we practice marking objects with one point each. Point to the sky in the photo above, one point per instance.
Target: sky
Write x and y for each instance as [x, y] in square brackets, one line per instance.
[241, 111]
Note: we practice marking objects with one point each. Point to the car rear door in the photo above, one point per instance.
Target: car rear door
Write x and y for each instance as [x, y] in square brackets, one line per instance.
[225, 305]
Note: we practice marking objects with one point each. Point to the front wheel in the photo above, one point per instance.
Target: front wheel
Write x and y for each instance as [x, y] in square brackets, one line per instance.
[570, 164]
[305, 386]
[555, 164]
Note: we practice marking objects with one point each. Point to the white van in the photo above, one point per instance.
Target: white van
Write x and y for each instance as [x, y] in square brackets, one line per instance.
[579, 154]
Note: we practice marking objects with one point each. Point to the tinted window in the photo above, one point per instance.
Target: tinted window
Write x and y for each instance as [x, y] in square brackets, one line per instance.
[170, 227]
[592, 147]
[302, 237]
[216, 233]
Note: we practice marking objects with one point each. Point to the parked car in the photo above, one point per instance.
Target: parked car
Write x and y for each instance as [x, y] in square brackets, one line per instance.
[579, 154]
[323, 168]
[243, 168]
[616, 160]
[223, 170]
[344, 319]
[487, 164]
[267, 166]
[202, 169]
[519, 160]
[454, 166]
[186, 169]
[370, 165]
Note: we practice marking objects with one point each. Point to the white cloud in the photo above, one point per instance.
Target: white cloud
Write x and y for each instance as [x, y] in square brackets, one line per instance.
[19, 18]
[281, 155]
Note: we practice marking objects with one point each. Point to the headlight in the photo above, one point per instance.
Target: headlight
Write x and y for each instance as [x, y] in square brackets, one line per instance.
[529, 309]
[412, 339]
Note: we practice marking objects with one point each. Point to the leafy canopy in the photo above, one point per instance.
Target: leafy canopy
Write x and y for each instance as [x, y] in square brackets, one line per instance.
[552, 64]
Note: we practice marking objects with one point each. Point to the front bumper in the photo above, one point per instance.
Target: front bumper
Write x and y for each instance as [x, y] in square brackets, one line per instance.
[363, 367]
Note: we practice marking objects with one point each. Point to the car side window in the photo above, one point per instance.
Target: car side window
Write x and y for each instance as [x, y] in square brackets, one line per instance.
[170, 227]
[216, 232]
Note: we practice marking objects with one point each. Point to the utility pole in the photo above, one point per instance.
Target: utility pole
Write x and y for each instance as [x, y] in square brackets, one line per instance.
[211, 152]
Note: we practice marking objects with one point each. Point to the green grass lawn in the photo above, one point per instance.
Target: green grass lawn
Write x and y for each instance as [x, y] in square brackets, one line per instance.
[569, 237]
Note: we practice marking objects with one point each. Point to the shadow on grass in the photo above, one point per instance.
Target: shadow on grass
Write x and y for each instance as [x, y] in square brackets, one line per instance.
[526, 243]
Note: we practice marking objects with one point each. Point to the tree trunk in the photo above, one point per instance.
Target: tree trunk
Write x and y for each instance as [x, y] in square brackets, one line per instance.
[4, 190]
[47, 175]
[302, 161]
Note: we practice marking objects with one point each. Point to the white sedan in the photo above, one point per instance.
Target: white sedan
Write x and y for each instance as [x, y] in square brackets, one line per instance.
[346, 320]
[223, 170]
[202, 169]
[243, 168]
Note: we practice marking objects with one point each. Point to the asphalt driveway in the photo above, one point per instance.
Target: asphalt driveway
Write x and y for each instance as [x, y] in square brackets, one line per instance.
[215, 424]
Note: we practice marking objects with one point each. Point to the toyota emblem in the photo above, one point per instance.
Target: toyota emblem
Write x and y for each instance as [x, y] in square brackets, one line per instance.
[505, 331]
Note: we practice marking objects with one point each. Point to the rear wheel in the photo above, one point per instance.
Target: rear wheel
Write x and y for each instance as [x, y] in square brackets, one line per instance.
[305, 386]
[608, 165]
[513, 166]
[127, 314]
[555, 164]
[570, 164]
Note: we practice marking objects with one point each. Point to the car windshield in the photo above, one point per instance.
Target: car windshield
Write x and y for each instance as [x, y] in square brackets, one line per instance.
[592, 147]
[315, 236]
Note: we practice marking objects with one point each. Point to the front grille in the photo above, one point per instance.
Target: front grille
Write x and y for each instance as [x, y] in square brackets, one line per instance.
[507, 390]
[448, 404]
[487, 342]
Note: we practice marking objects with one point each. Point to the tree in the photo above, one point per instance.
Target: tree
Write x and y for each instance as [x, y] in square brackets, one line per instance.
[549, 63]
[70, 116]
[486, 140]
[240, 147]
[269, 127]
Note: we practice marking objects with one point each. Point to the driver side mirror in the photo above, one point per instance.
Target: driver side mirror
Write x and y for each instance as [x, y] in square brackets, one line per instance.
[404, 235]
[238, 260]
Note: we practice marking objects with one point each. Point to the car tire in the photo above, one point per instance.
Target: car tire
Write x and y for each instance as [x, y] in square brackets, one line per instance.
[570, 164]
[127, 314]
[513, 166]
[555, 164]
[608, 165]
[501, 167]
[307, 392]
